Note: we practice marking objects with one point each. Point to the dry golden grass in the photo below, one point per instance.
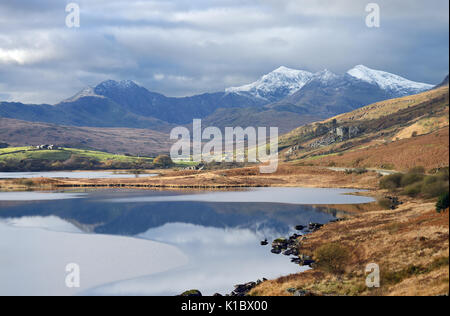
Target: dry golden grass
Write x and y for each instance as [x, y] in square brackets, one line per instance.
[389, 107]
[423, 126]
[430, 151]
[412, 235]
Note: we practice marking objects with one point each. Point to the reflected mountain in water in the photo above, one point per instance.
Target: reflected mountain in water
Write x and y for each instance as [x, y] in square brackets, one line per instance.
[97, 214]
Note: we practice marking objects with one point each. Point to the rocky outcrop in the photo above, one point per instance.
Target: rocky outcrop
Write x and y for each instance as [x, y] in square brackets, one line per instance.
[192, 293]
[337, 134]
[314, 227]
[244, 289]
[393, 202]
[291, 245]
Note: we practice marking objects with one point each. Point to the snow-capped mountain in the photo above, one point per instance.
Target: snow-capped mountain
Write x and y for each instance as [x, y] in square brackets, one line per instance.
[109, 85]
[327, 93]
[276, 85]
[286, 97]
[285, 82]
[393, 84]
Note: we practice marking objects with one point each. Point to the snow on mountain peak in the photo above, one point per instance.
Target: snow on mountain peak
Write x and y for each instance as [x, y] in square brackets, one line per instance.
[275, 85]
[112, 84]
[86, 92]
[325, 75]
[387, 81]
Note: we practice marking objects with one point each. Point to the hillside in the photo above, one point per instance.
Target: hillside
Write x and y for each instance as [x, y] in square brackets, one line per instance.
[394, 134]
[114, 140]
[61, 158]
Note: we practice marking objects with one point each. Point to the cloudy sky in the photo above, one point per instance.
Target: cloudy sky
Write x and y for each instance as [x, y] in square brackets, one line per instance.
[184, 47]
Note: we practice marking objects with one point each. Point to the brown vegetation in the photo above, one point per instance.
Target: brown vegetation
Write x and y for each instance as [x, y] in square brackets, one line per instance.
[114, 140]
[430, 151]
[410, 244]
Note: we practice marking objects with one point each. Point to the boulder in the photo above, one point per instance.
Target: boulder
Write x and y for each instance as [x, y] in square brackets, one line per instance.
[303, 293]
[191, 293]
[314, 226]
[276, 251]
[243, 289]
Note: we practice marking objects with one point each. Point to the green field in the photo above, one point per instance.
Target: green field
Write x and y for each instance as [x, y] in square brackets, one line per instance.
[23, 153]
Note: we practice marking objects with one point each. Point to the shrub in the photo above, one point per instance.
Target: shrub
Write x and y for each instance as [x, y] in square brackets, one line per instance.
[163, 161]
[435, 189]
[385, 203]
[413, 190]
[332, 258]
[391, 182]
[443, 174]
[430, 180]
[442, 203]
[411, 178]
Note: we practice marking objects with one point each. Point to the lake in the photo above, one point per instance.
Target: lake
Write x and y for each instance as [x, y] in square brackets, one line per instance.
[149, 242]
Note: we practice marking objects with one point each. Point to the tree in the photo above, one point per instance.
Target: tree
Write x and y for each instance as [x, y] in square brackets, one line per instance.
[163, 161]
[332, 258]
[4, 145]
[442, 203]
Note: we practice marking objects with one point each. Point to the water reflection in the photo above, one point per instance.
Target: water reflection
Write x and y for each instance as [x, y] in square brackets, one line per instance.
[136, 218]
[219, 239]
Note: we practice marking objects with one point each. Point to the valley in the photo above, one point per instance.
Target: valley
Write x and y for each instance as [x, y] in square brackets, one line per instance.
[396, 150]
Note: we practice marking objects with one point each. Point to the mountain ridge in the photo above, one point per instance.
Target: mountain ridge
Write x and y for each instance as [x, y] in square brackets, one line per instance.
[292, 96]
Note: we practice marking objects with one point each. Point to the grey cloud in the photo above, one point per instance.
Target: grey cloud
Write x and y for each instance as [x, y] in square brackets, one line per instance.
[183, 47]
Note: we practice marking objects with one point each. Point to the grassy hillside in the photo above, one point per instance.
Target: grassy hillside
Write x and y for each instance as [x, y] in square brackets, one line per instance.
[394, 134]
[19, 153]
[32, 159]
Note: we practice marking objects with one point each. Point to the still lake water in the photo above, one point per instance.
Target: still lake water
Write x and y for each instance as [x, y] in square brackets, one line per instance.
[132, 242]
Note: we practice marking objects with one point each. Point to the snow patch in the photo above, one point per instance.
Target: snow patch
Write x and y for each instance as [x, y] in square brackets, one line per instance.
[387, 81]
[279, 83]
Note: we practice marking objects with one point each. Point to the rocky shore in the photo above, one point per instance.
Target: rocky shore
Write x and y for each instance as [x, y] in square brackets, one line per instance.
[290, 246]
[287, 246]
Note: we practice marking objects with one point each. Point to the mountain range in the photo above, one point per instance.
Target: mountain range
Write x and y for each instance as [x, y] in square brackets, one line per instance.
[285, 97]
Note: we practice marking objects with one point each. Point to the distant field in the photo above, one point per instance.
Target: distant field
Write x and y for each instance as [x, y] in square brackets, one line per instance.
[21, 153]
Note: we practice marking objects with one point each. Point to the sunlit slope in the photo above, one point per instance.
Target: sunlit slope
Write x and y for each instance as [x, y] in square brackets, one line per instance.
[393, 134]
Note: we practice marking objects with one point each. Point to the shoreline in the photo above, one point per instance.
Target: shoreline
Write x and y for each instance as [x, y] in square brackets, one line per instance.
[288, 175]
[409, 243]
